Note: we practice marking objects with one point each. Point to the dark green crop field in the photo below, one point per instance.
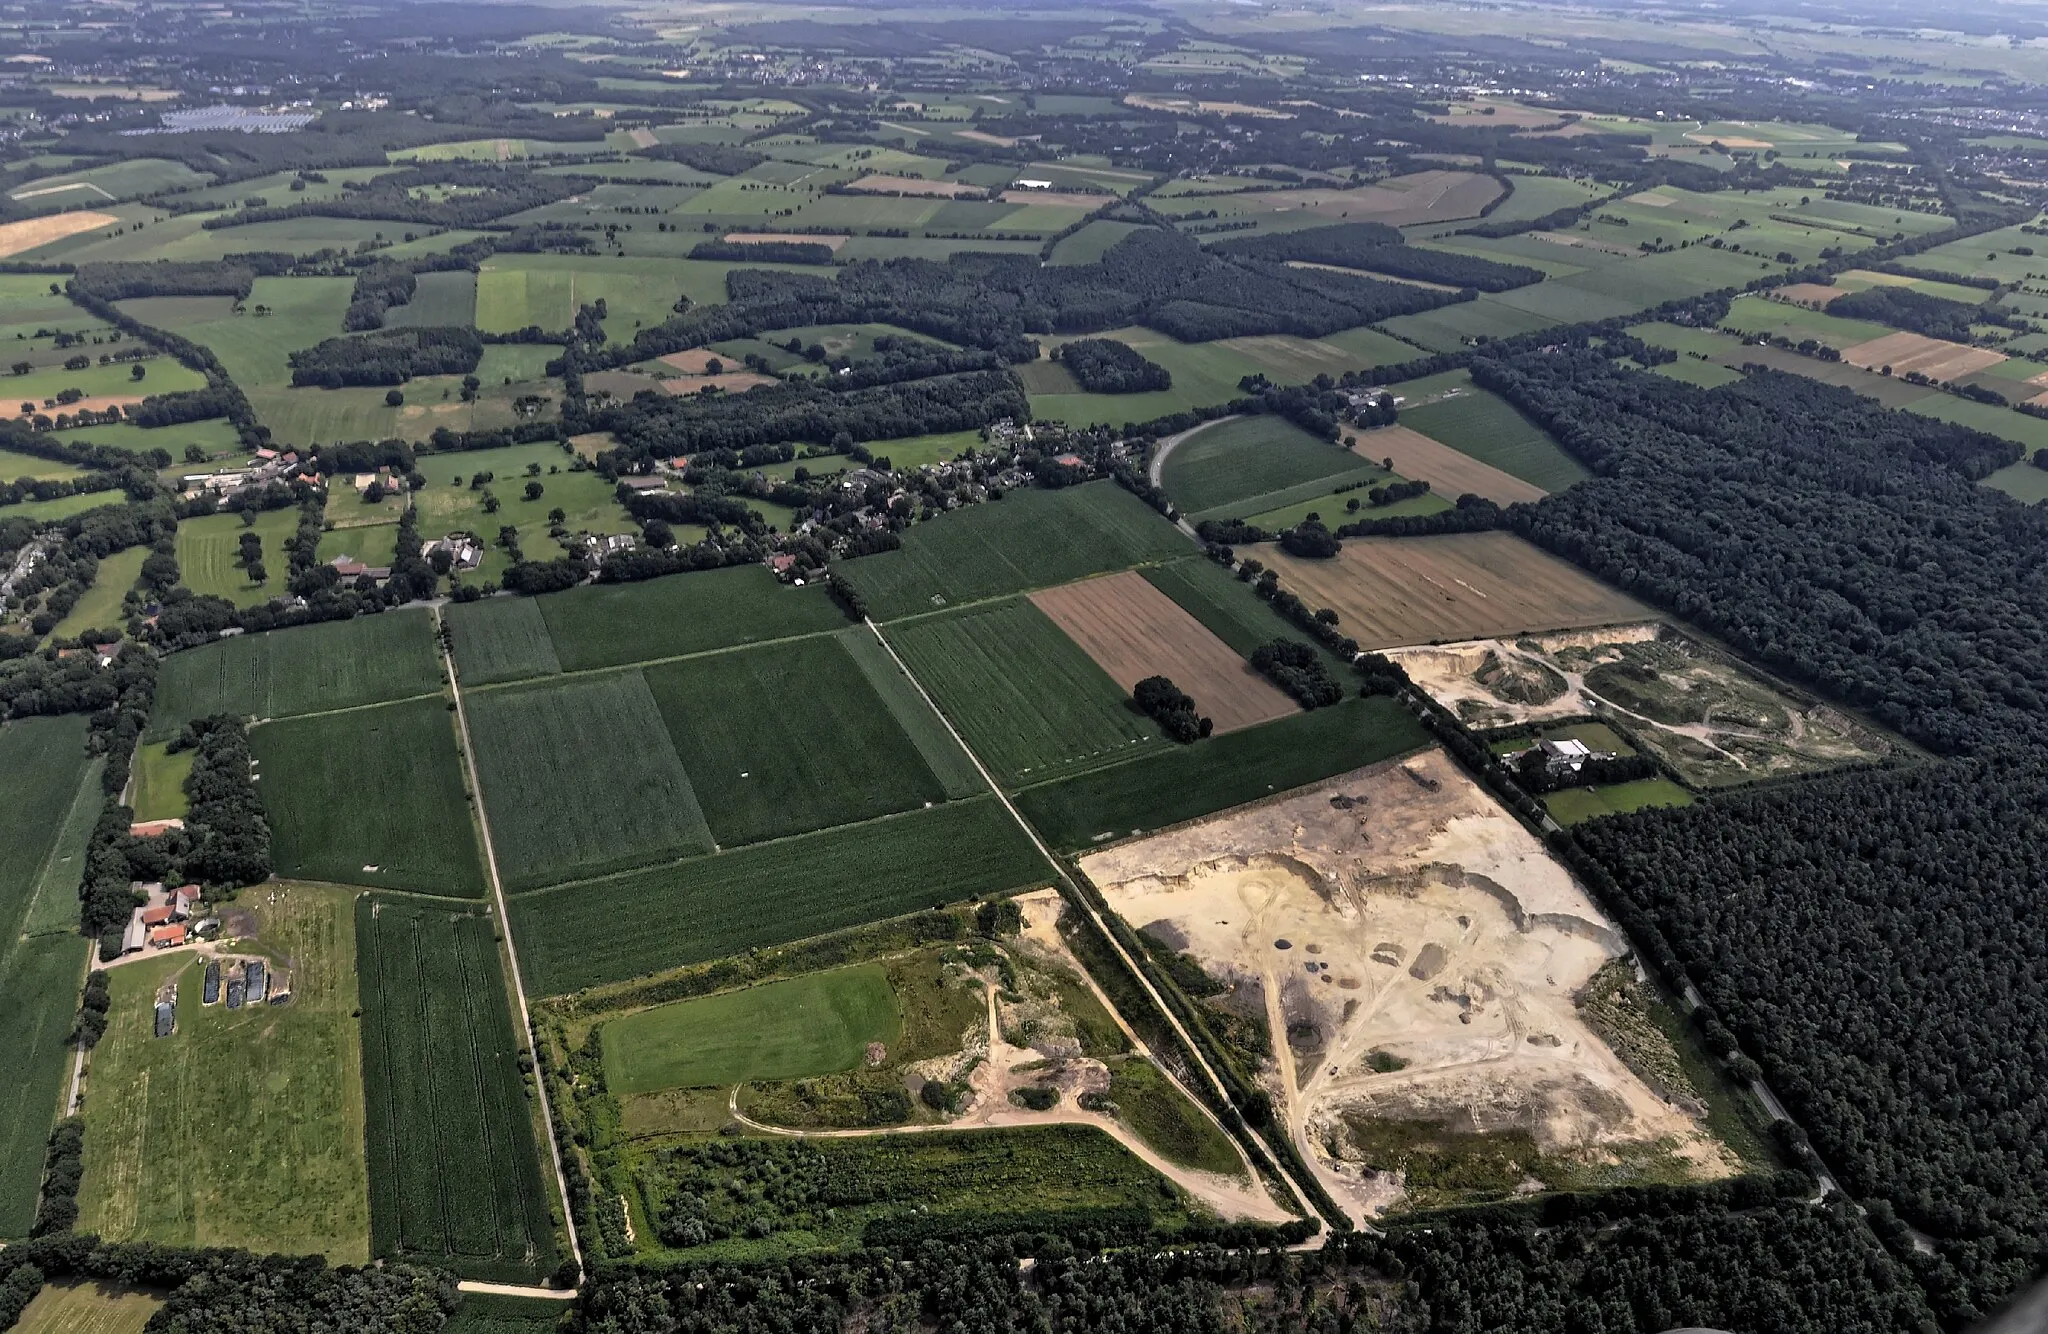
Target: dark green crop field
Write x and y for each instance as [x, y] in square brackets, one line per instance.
[370, 797]
[308, 669]
[1170, 785]
[581, 935]
[1232, 462]
[1027, 540]
[1025, 697]
[604, 625]
[787, 738]
[455, 1175]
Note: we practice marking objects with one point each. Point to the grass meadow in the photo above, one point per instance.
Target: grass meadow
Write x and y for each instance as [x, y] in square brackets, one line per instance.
[1174, 783]
[100, 608]
[270, 1094]
[455, 1173]
[1220, 601]
[500, 639]
[1572, 805]
[1488, 428]
[787, 738]
[1237, 464]
[583, 935]
[53, 909]
[1026, 698]
[40, 763]
[1028, 539]
[814, 1024]
[306, 669]
[207, 549]
[157, 779]
[255, 349]
[580, 779]
[370, 797]
[39, 981]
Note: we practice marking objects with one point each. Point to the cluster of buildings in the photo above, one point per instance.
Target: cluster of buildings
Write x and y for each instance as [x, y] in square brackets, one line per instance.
[248, 982]
[164, 921]
[268, 466]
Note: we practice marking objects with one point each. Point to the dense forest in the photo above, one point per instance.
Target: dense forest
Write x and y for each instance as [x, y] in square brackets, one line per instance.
[1154, 277]
[388, 357]
[1379, 248]
[1916, 312]
[1106, 366]
[1873, 937]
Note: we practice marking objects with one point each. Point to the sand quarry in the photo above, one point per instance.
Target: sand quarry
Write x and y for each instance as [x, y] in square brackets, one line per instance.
[1397, 910]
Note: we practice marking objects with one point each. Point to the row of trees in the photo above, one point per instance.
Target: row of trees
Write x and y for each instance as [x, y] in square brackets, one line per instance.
[388, 356]
[1379, 248]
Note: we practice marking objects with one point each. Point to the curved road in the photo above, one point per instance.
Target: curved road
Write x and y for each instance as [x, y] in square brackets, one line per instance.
[1158, 463]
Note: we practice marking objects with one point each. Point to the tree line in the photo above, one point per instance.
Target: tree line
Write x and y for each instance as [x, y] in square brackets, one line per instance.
[1381, 249]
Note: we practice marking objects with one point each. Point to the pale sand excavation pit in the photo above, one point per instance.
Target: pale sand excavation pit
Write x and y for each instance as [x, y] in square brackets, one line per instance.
[764, 238]
[911, 185]
[1132, 631]
[1932, 357]
[19, 237]
[1450, 473]
[1397, 910]
[1412, 590]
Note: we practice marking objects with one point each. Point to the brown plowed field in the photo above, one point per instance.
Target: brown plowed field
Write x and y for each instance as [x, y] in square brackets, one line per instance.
[1932, 357]
[1389, 592]
[1449, 473]
[1132, 631]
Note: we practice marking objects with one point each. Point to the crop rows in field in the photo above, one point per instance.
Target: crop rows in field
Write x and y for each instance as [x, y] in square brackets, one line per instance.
[1026, 698]
[308, 669]
[39, 980]
[1176, 783]
[1231, 462]
[787, 739]
[1489, 429]
[40, 763]
[608, 625]
[455, 1176]
[370, 797]
[599, 931]
[580, 778]
[1028, 539]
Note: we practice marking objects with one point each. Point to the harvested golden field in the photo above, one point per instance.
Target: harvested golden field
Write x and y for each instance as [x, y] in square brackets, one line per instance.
[800, 238]
[1932, 357]
[17, 237]
[1132, 631]
[911, 185]
[1415, 590]
[1449, 472]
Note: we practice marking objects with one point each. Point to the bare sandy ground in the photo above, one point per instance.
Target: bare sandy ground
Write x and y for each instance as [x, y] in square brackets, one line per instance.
[1932, 357]
[1397, 910]
[19, 237]
[911, 185]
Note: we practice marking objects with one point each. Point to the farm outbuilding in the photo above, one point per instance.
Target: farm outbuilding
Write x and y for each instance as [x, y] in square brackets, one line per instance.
[166, 1018]
[209, 990]
[255, 981]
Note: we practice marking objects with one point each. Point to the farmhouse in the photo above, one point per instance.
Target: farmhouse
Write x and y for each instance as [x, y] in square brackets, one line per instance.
[167, 937]
[464, 551]
[154, 828]
[643, 483]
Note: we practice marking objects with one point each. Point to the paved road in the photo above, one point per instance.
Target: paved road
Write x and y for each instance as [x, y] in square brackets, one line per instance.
[1158, 463]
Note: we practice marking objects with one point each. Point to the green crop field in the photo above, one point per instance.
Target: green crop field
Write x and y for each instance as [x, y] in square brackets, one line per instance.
[207, 548]
[989, 551]
[900, 696]
[1447, 328]
[274, 1090]
[1171, 784]
[161, 375]
[815, 1024]
[100, 608]
[159, 778]
[1093, 241]
[440, 299]
[606, 625]
[255, 348]
[1489, 428]
[1242, 460]
[609, 930]
[370, 797]
[1572, 805]
[579, 779]
[787, 738]
[500, 639]
[1025, 697]
[16, 466]
[455, 1173]
[515, 291]
[497, 1313]
[214, 435]
[39, 979]
[53, 910]
[40, 763]
[308, 669]
[1222, 602]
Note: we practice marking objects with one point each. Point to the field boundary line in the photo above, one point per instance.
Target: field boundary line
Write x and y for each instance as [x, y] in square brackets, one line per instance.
[1194, 1052]
[490, 687]
[1026, 593]
[255, 721]
[737, 849]
[511, 950]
